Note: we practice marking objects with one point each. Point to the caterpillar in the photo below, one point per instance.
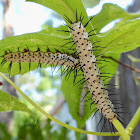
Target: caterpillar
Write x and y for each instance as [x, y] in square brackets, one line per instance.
[40, 57]
[91, 73]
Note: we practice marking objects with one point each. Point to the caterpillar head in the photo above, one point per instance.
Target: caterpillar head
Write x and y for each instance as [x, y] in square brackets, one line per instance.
[76, 25]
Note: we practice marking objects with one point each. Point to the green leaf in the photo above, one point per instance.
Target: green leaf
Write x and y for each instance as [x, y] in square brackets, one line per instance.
[9, 103]
[73, 97]
[109, 13]
[64, 7]
[123, 38]
[90, 3]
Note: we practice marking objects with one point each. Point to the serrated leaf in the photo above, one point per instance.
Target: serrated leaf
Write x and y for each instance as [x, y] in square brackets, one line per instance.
[9, 103]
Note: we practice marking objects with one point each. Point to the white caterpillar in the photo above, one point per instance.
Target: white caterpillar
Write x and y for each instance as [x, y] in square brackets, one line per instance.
[42, 57]
[91, 71]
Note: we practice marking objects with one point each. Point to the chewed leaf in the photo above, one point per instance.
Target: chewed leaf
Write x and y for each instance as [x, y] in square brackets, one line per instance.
[9, 103]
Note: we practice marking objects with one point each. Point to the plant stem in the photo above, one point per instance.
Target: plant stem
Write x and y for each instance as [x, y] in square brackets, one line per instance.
[52, 118]
[134, 121]
[121, 129]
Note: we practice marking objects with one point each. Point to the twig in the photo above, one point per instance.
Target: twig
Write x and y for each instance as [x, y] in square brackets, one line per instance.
[132, 68]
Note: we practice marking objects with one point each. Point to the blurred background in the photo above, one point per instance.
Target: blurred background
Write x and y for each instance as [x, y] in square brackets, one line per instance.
[19, 17]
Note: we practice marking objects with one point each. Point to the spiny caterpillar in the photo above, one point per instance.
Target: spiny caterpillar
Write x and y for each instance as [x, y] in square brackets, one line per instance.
[40, 57]
[91, 72]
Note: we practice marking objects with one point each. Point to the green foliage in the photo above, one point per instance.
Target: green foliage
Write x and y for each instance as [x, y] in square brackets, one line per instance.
[30, 130]
[27, 128]
[4, 134]
[64, 7]
[123, 37]
[90, 3]
[61, 135]
[109, 13]
[9, 103]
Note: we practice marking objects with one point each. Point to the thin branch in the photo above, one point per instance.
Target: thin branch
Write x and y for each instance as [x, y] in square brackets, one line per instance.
[125, 65]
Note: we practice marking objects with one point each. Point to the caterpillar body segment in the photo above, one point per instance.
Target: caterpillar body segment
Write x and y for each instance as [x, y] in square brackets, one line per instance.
[42, 57]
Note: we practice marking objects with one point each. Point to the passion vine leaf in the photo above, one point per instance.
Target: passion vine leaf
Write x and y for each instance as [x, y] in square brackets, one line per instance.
[9, 103]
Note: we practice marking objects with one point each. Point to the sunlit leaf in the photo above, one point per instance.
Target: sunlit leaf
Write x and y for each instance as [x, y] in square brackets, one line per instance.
[9, 103]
